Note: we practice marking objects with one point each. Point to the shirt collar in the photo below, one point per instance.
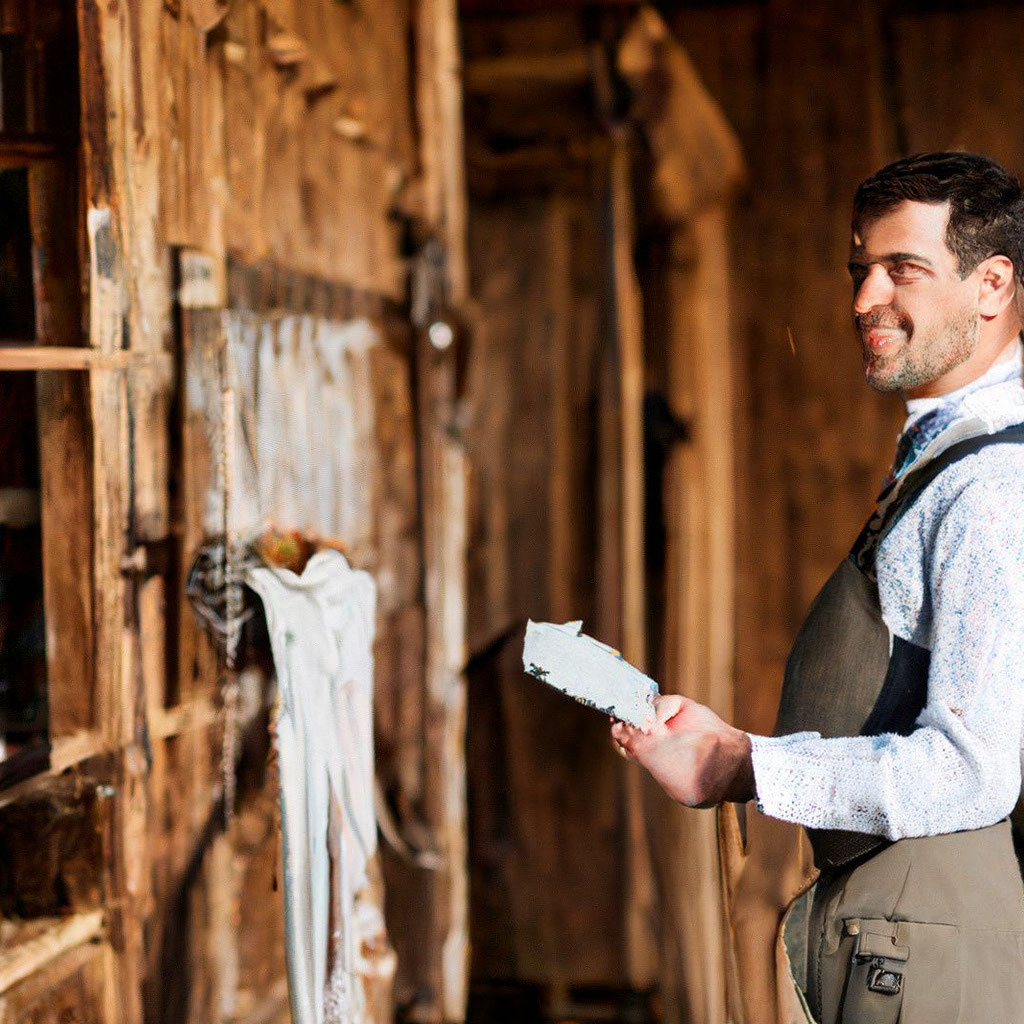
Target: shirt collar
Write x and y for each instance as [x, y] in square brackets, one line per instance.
[991, 402]
[1006, 369]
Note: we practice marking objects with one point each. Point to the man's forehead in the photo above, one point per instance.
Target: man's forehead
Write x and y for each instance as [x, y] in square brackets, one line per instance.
[909, 227]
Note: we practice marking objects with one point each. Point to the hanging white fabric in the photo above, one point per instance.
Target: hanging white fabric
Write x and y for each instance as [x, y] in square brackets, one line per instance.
[321, 627]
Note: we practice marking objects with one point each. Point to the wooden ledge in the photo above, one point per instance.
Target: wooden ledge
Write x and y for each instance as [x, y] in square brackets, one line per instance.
[58, 936]
[65, 752]
[52, 357]
[190, 716]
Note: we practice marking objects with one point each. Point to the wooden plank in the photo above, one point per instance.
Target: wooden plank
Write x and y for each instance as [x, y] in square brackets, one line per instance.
[535, 167]
[28, 150]
[443, 476]
[108, 91]
[695, 153]
[64, 934]
[442, 157]
[398, 651]
[66, 752]
[696, 164]
[69, 988]
[513, 72]
[201, 334]
[55, 358]
[65, 447]
[699, 612]
[70, 750]
[561, 518]
[640, 896]
[629, 332]
[198, 713]
[148, 286]
[550, 913]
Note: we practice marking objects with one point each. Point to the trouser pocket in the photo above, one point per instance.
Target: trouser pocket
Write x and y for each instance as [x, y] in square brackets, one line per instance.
[905, 971]
[878, 968]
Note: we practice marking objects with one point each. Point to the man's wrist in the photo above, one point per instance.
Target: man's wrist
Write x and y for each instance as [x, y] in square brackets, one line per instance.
[741, 786]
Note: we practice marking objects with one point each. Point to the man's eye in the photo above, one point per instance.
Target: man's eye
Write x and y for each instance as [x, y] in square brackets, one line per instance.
[905, 270]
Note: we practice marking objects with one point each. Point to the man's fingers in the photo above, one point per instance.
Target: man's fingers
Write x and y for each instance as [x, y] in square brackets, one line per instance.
[621, 740]
[668, 706]
[624, 733]
[625, 738]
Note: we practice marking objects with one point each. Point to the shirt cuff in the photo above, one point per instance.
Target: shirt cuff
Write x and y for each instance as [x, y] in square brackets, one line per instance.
[773, 767]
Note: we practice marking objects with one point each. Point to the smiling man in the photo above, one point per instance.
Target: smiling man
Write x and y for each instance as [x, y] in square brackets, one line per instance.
[899, 737]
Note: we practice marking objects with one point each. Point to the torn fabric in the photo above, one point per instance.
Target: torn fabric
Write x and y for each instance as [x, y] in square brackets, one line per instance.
[321, 627]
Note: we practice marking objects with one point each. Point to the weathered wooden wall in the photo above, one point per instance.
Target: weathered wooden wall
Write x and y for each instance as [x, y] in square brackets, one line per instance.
[297, 154]
[819, 101]
[819, 98]
[547, 899]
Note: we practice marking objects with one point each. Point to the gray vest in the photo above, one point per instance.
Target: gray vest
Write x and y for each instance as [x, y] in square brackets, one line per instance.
[841, 678]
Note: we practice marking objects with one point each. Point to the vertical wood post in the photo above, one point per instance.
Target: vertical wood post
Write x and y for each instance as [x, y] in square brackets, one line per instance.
[699, 603]
[641, 953]
[560, 500]
[443, 476]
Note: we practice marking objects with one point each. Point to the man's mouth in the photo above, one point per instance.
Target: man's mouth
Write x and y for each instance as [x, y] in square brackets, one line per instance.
[876, 339]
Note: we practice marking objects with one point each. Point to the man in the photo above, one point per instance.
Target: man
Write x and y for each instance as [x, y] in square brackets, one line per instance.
[899, 738]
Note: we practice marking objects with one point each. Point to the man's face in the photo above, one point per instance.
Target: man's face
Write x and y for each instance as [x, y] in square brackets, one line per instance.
[916, 319]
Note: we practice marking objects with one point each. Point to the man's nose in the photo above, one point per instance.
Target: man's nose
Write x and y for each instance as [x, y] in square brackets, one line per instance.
[875, 290]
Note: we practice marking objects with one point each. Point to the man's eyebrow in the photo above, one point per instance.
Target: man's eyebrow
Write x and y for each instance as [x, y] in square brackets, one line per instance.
[861, 259]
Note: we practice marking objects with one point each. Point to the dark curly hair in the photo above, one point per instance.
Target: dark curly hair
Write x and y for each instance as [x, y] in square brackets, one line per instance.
[986, 203]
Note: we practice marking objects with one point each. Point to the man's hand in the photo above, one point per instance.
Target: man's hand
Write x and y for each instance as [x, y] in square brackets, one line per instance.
[697, 758]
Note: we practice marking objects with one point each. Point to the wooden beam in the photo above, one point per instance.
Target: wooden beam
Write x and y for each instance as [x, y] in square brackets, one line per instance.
[561, 521]
[507, 7]
[26, 958]
[696, 155]
[535, 167]
[65, 446]
[442, 150]
[696, 167]
[444, 477]
[641, 954]
[698, 616]
[629, 329]
[513, 72]
[189, 716]
[109, 76]
[46, 357]
[25, 150]
[67, 751]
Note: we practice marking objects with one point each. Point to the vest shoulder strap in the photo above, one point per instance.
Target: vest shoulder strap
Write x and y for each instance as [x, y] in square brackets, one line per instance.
[888, 513]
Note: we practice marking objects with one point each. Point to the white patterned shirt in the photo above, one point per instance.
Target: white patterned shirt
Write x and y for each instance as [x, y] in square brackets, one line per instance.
[950, 579]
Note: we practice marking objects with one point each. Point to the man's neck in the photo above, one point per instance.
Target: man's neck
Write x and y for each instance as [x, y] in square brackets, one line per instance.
[986, 356]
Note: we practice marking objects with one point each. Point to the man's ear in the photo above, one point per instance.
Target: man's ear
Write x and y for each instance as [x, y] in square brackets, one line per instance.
[996, 286]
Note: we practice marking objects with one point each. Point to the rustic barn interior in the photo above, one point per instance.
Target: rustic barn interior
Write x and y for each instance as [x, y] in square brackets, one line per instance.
[533, 310]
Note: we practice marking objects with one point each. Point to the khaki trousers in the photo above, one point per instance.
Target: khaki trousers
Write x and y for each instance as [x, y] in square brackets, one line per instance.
[927, 931]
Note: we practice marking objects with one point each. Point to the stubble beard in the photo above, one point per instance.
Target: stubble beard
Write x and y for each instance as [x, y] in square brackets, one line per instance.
[917, 361]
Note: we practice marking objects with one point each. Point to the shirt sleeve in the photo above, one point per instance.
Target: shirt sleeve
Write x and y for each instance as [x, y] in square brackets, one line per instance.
[961, 767]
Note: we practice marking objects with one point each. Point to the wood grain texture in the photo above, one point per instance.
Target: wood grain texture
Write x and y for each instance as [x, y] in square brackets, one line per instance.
[812, 440]
[443, 476]
[687, 291]
[266, 160]
[285, 132]
[545, 854]
[440, 133]
[74, 987]
[33, 955]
